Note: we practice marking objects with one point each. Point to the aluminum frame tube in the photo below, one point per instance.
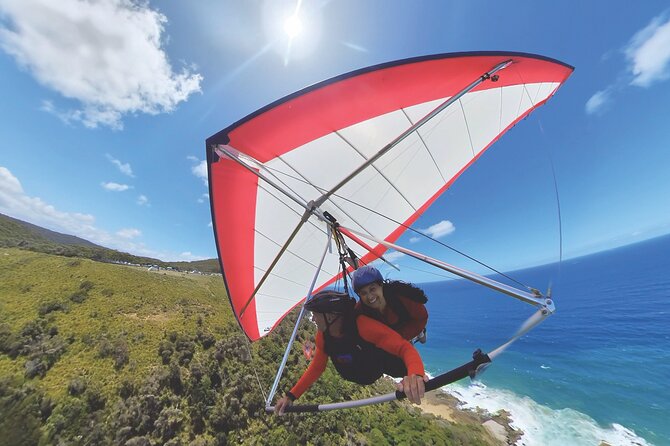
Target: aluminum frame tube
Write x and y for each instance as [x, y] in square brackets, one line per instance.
[529, 298]
[221, 150]
[273, 390]
[413, 128]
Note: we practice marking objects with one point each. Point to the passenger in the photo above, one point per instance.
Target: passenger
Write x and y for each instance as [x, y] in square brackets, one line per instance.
[397, 304]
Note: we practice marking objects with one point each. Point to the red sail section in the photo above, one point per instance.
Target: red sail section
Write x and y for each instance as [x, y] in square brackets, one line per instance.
[337, 105]
[234, 215]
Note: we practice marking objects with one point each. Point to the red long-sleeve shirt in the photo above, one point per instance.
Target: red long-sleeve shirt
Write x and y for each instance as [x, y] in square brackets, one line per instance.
[418, 317]
[371, 331]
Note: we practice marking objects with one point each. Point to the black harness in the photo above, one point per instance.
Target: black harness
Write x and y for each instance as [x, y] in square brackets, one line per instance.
[359, 361]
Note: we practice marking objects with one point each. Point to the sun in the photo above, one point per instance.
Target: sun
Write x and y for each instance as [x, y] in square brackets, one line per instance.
[293, 26]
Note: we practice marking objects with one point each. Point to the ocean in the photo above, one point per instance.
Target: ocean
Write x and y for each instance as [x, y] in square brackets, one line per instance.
[597, 370]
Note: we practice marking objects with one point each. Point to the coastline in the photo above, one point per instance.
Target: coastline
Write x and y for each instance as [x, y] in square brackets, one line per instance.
[446, 406]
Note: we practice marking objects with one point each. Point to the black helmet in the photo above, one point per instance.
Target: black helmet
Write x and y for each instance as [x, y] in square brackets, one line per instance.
[329, 301]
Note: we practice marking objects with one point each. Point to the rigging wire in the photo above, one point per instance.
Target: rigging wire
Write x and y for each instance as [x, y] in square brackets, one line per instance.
[409, 228]
[553, 173]
[258, 380]
[359, 257]
[558, 205]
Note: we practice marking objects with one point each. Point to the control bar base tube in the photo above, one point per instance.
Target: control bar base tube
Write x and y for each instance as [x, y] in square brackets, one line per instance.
[468, 369]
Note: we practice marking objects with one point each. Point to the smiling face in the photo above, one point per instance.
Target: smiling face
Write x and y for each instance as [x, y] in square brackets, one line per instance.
[372, 295]
[329, 323]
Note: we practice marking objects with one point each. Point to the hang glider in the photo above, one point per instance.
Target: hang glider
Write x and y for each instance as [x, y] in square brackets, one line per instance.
[357, 157]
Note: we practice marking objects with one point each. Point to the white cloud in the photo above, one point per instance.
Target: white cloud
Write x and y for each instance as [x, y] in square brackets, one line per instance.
[648, 52]
[648, 60]
[124, 168]
[440, 229]
[15, 203]
[598, 102]
[115, 187]
[142, 200]
[393, 256]
[414, 239]
[355, 47]
[200, 170]
[106, 55]
[189, 257]
[204, 198]
[129, 233]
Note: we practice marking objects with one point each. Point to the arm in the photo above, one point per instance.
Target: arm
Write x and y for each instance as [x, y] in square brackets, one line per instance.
[391, 342]
[312, 373]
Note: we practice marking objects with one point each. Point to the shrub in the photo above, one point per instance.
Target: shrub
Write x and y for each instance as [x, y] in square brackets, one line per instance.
[94, 399]
[105, 349]
[126, 389]
[86, 286]
[6, 338]
[138, 441]
[19, 407]
[78, 296]
[121, 354]
[48, 307]
[76, 386]
[206, 339]
[35, 367]
[165, 350]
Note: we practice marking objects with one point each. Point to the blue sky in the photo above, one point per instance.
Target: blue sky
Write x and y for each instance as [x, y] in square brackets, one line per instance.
[106, 105]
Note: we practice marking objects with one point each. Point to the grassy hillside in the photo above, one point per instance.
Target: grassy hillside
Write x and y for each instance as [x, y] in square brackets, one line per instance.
[95, 353]
[53, 236]
[17, 233]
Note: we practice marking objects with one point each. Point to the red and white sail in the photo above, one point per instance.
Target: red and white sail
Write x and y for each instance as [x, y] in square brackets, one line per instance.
[310, 141]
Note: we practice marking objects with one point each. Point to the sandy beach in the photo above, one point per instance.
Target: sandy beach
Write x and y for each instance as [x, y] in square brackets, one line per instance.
[446, 406]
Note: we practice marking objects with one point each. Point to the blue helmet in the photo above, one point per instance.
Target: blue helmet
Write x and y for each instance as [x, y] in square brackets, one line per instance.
[365, 275]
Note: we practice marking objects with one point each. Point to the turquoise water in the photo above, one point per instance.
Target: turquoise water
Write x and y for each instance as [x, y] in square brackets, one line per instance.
[598, 369]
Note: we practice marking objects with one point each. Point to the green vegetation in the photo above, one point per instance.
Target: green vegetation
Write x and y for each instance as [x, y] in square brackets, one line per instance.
[95, 353]
[19, 234]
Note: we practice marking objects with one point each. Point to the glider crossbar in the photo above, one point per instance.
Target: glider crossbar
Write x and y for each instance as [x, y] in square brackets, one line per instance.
[535, 299]
[412, 129]
[273, 390]
[463, 371]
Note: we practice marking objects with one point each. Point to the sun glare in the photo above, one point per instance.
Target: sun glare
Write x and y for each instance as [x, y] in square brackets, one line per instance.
[293, 26]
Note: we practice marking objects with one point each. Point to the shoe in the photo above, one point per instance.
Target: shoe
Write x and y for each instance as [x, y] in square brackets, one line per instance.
[422, 337]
